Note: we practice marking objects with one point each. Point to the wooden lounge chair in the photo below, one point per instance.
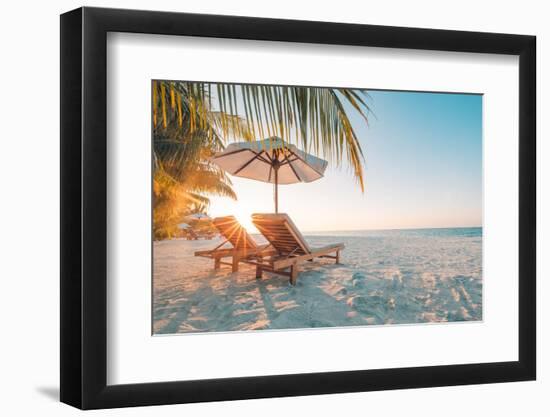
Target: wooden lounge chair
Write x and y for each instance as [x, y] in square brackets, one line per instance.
[191, 235]
[290, 247]
[244, 245]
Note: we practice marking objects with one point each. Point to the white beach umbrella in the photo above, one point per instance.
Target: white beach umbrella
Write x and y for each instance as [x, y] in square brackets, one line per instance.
[270, 160]
[183, 226]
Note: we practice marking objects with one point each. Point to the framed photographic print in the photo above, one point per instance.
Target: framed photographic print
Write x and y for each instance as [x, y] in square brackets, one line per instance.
[256, 208]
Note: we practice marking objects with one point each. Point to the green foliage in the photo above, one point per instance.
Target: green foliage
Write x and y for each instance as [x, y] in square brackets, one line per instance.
[183, 176]
[187, 131]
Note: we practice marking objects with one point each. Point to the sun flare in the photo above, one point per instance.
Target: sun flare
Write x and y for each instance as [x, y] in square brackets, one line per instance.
[244, 216]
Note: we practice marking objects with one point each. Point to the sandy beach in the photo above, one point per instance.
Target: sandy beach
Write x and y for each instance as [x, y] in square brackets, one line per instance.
[385, 277]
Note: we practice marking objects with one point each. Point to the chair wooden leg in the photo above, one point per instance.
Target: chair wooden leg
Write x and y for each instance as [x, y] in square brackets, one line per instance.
[293, 274]
[217, 263]
[337, 256]
[235, 263]
[258, 271]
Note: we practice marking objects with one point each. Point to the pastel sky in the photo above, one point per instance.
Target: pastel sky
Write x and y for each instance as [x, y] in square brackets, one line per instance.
[423, 169]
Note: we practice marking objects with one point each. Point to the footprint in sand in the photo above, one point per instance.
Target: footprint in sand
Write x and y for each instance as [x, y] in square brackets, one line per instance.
[341, 291]
[397, 281]
[358, 280]
[369, 306]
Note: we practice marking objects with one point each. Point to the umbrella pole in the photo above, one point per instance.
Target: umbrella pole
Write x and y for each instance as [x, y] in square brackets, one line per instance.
[276, 190]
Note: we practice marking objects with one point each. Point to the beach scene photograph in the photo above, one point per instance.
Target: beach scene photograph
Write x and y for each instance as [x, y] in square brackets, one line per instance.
[279, 207]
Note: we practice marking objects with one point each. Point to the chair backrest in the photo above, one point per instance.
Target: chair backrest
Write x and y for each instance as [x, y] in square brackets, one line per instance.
[231, 229]
[282, 233]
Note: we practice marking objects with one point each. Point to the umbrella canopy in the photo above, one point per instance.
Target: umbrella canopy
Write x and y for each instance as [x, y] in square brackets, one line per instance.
[270, 160]
[198, 217]
[183, 226]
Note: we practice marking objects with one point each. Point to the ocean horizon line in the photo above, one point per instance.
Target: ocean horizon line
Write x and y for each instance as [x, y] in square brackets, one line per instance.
[387, 230]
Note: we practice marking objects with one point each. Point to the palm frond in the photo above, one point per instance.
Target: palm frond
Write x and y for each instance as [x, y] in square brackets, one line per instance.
[188, 130]
[316, 119]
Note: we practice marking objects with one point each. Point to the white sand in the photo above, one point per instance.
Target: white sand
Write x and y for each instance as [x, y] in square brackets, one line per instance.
[383, 279]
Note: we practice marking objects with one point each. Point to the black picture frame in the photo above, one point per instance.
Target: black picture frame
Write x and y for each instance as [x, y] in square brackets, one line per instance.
[84, 207]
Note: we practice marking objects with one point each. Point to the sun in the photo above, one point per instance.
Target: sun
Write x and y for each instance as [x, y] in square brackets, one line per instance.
[244, 216]
[242, 212]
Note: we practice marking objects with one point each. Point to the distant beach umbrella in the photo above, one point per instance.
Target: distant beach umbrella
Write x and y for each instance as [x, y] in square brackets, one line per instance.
[270, 160]
[198, 217]
[183, 226]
